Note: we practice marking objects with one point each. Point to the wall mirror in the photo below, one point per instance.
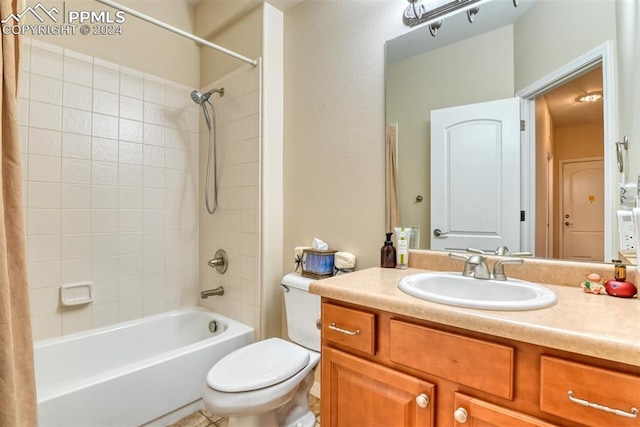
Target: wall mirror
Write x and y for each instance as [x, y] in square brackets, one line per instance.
[509, 51]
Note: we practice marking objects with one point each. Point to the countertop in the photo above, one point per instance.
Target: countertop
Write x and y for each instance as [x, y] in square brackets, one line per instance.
[595, 325]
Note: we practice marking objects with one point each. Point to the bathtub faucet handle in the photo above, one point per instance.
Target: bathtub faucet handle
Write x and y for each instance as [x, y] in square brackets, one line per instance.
[220, 261]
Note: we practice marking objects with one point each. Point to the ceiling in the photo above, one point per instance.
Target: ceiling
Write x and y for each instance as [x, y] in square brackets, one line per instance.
[562, 104]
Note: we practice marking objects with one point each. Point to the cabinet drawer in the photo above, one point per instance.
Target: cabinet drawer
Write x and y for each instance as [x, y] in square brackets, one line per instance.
[479, 364]
[607, 390]
[480, 413]
[351, 328]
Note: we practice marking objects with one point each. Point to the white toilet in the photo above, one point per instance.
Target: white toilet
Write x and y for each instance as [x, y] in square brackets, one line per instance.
[267, 383]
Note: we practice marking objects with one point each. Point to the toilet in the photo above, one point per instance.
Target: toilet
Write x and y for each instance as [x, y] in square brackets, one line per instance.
[267, 383]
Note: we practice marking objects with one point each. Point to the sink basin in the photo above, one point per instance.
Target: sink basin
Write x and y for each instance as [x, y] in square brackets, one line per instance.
[469, 292]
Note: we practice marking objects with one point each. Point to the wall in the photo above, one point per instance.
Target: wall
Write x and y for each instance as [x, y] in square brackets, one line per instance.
[235, 226]
[142, 46]
[248, 223]
[544, 200]
[443, 76]
[334, 125]
[110, 167]
[553, 20]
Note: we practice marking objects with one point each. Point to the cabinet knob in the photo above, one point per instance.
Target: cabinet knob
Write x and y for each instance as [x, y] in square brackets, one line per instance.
[460, 415]
[422, 400]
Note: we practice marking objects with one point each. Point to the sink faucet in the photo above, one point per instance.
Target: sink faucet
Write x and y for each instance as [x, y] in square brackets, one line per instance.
[474, 265]
[498, 267]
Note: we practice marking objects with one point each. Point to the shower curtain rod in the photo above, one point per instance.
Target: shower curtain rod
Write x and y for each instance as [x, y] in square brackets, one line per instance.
[177, 31]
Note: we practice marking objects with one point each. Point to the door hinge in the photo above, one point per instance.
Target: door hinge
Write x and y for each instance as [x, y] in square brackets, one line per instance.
[522, 126]
[522, 216]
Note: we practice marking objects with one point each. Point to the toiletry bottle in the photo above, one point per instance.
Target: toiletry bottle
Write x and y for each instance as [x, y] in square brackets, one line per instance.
[388, 254]
[403, 235]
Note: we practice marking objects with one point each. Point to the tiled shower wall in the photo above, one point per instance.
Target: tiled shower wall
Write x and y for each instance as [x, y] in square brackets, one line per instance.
[235, 227]
[110, 160]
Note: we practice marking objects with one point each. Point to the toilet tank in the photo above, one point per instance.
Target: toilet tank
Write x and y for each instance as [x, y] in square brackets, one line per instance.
[303, 311]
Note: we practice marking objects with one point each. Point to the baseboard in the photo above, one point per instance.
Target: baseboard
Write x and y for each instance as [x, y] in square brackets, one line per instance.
[315, 390]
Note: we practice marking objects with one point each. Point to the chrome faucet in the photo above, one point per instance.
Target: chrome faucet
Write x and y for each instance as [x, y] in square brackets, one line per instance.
[474, 265]
[219, 291]
[500, 251]
[498, 267]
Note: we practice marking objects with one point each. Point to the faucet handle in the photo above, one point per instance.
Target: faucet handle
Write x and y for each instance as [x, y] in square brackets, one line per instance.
[476, 251]
[461, 257]
[498, 267]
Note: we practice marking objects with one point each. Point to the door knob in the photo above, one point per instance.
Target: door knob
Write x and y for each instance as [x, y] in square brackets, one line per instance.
[437, 232]
[422, 400]
[461, 415]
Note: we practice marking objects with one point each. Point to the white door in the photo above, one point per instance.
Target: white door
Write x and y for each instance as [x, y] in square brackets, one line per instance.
[582, 198]
[475, 176]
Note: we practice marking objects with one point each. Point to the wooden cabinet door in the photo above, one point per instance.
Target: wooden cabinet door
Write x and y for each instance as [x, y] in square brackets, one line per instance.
[479, 413]
[356, 392]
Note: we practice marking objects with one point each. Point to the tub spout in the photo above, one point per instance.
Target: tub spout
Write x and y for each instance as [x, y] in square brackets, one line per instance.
[219, 291]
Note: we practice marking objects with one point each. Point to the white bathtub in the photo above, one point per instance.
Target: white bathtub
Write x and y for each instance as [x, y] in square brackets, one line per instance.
[132, 373]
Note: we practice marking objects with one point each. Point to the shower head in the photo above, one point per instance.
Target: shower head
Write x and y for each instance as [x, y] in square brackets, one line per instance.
[200, 98]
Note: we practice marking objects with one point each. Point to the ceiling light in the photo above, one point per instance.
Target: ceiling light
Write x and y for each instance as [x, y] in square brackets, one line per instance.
[590, 97]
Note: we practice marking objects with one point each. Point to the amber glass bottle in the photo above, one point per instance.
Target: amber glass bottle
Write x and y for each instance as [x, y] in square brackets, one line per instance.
[388, 253]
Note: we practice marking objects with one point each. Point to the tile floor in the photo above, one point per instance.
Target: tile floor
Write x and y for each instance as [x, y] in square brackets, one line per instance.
[203, 418]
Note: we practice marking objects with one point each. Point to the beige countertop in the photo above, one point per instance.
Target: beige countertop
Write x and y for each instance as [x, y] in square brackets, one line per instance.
[595, 325]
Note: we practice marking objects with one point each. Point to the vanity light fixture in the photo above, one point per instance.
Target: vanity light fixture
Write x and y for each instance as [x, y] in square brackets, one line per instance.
[433, 12]
[590, 97]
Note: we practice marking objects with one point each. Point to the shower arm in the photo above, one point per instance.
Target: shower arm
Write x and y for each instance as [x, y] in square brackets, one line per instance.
[178, 31]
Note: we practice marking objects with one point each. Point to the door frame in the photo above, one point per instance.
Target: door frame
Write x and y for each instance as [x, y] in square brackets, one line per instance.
[561, 199]
[600, 55]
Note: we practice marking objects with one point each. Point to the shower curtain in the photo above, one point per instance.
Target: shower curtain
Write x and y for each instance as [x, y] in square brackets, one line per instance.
[391, 171]
[17, 383]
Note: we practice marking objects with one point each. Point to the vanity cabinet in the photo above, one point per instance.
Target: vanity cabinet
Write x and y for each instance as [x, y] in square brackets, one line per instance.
[383, 369]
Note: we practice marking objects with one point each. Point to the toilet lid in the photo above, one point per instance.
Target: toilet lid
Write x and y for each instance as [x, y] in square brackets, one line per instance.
[257, 366]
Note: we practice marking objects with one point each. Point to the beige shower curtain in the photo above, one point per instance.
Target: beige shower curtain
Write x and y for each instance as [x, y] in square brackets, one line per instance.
[17, 384]
[391, 169]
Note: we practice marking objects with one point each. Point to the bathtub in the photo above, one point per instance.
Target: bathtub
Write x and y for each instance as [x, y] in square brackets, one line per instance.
[145, 371]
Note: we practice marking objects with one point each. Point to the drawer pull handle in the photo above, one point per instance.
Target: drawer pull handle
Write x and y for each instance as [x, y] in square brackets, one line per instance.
[333, 327]
[422, 400]
[632, 414]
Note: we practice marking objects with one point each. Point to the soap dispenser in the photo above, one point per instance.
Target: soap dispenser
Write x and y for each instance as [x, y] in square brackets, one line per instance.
[388, 253]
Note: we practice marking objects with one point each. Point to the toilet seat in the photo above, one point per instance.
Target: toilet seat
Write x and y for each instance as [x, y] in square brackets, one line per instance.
[258, 366]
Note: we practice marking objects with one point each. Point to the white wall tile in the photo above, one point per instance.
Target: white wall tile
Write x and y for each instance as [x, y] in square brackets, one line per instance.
[43, 221]
[78, 72]
[76, 146]
[104, 173]
[76, 246]
[130, 152]
[43, 195]
[45, 62]
[45, 142]
[76, 196]
[76, 121]
[75, 221]
[104, 197]
[104, 244]
[43, 274]
[96, 181]
[104, 150]
[131, 108]
[131, 130]
[45, 116]
[75, 270]
[77, 96]
[106, 79]
[104, 126]
[131, 85]
[106, 102]
[76, 171]
[46, 89]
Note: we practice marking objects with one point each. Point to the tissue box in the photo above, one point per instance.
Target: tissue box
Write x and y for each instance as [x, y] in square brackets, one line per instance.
[317, 264]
